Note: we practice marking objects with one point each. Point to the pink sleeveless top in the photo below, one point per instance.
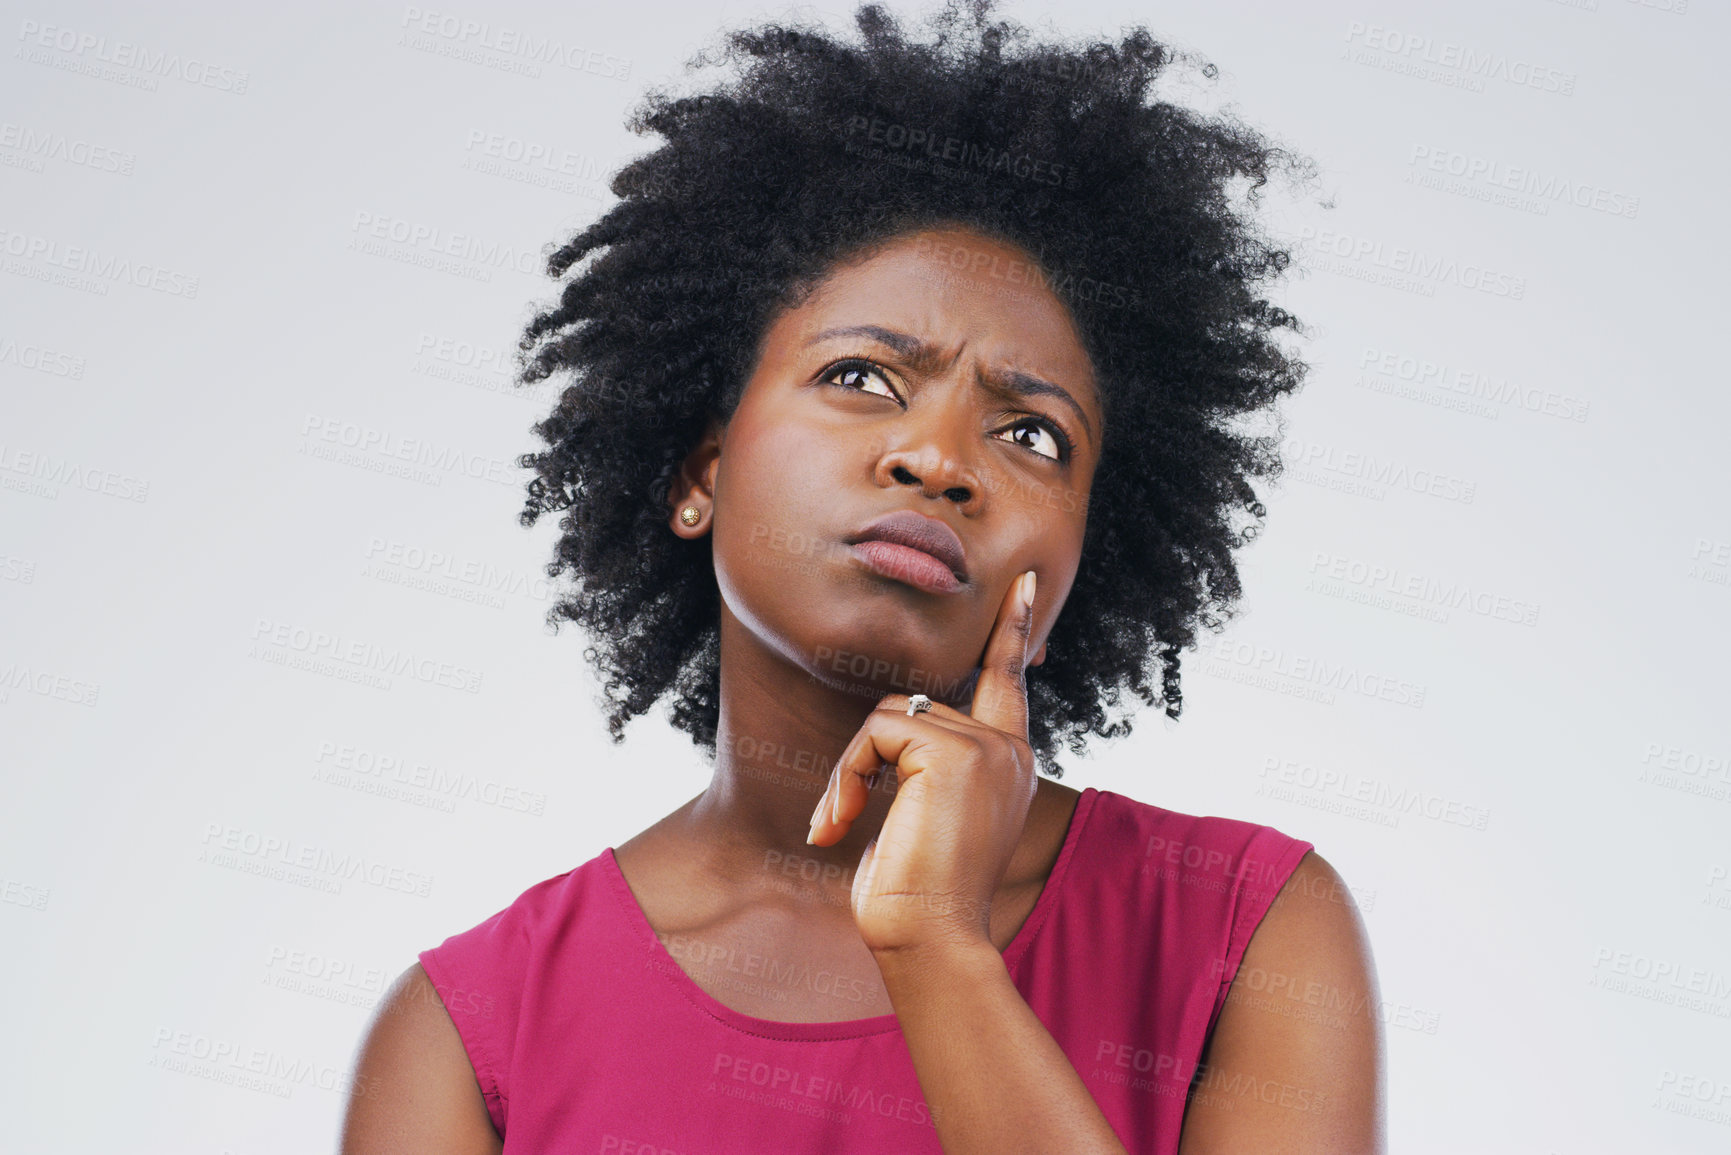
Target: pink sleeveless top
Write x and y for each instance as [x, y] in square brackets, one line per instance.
[587, 1036]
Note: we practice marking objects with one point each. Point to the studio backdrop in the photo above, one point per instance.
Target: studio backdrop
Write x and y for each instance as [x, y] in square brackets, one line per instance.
[279, 706]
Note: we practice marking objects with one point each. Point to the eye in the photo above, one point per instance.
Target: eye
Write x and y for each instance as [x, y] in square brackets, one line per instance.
[854, 371]
[1057, 445]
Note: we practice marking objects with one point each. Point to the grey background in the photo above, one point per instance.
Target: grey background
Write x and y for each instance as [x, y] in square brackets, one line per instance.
[1537, 837]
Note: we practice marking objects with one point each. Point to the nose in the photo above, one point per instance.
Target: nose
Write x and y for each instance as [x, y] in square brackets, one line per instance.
[923, 451]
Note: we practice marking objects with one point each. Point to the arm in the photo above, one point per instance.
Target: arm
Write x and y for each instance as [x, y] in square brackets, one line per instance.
[994, 1077]
[1295, 1064]
[416, 1092]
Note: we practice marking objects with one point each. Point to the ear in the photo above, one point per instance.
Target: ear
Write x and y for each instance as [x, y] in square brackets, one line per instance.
[694, 487]
[1039, 657]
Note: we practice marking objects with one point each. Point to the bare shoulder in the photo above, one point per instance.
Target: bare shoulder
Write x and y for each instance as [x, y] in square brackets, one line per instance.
[1296, 1060]
[415, 1089]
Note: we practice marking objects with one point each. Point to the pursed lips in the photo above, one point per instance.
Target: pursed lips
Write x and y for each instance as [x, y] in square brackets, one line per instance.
[914, 548]
[918, 531]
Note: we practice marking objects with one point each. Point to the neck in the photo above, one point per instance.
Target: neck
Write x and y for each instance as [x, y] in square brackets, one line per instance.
[779, 735]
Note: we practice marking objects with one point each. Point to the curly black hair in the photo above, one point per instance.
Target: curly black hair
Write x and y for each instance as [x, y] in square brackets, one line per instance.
[816, 151]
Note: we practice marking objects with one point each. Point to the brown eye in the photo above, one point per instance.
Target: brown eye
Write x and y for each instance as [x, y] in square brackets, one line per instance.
[1042, 440]
[856, 374]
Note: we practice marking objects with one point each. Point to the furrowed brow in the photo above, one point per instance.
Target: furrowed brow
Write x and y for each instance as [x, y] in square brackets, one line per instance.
[915, 351]
[925, 357]
[1024, 385]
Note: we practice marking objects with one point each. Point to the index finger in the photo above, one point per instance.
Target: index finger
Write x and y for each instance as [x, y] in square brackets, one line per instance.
[1001, 694]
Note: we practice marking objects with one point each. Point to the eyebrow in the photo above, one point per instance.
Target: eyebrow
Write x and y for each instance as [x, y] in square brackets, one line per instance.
[924, 357]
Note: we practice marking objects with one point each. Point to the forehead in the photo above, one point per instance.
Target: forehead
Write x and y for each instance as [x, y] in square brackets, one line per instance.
[952, 288]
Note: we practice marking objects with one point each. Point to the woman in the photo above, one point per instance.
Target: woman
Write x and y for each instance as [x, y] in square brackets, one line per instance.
[903, 434]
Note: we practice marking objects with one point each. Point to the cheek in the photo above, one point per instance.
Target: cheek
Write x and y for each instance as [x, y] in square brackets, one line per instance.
[777, 500]
[1050, 514]
[1058, 562]
[1054, 527]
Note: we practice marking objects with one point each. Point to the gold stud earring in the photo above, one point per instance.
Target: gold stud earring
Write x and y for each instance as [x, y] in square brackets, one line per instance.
[690, 515]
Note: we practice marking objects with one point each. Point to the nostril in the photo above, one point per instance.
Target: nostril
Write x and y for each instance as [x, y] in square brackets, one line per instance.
[960, 494]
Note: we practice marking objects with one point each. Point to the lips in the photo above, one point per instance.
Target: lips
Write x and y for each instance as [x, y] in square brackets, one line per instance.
[916, 531]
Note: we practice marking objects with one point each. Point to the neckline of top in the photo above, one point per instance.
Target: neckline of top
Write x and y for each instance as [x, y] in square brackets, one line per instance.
[663, 962]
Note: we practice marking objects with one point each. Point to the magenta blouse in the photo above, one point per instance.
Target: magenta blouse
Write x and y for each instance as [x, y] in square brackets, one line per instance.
[587, 1036]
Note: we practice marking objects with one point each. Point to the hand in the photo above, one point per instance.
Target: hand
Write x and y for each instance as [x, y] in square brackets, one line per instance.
[966, 782]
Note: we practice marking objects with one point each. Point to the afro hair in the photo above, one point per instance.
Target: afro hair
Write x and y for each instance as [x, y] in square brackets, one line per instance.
[812, 151]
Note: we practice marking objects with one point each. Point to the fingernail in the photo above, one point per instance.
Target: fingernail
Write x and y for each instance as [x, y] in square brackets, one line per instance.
[1028, 580]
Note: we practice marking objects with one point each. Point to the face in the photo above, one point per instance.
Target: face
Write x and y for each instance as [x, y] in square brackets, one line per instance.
[935, 376]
